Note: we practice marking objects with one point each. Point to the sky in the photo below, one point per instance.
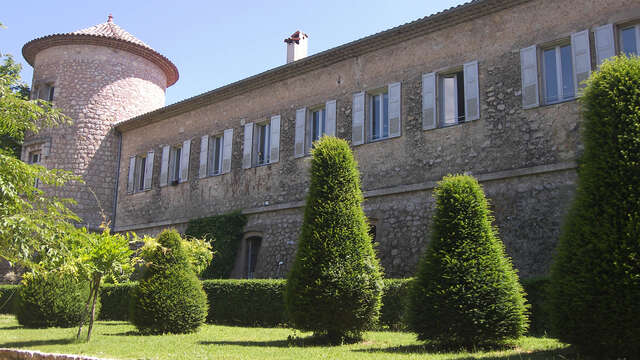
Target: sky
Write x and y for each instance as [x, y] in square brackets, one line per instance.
[213, 43]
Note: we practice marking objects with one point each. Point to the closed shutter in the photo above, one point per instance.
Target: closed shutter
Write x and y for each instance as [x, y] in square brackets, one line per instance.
[330, 124]
[605, 45]
[132, 171]
[275, 139]
[429, 101]
[471, 91]
[184, 160]
[581, 58]
[247, 146]
[395, 100]
[227, 150]
[148, 170]
[529, 73]
[164, 165]
[357, 136]
[204, 156]
[298, 150]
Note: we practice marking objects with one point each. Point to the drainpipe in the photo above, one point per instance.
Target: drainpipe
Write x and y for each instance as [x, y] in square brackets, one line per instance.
[115, 190]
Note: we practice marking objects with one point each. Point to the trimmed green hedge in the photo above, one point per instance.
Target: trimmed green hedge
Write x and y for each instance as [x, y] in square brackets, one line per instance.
[8, 294]
[394, 303]
[115, 301]
[537, 290]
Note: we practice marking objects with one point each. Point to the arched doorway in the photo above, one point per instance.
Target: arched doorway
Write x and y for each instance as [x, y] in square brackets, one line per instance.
[251, 255]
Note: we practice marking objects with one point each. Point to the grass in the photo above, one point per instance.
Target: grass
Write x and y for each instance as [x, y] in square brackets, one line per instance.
[113, 339]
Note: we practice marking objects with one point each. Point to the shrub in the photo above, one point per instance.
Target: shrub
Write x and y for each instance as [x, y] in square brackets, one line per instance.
[596, 271]
[537, 290]
[169, 298]
[115, 300]
[394, 303]
[335, 285]
[8, 295]
[246, 302]
[466, 292]
[224, 232]
[52, 299]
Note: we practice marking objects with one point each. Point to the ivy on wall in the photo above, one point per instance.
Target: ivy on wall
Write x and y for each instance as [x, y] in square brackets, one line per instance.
[225, 234]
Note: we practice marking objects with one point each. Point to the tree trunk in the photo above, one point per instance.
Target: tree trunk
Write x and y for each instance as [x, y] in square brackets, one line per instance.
[86, 310]
[96, 289]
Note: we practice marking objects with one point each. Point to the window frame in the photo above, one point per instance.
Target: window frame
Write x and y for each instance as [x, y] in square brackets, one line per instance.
[557, 47]
[259, 144]
[370, 95]
[448, 74]
[141, 164]
[213, 153]
[175, 153]
[620, 28]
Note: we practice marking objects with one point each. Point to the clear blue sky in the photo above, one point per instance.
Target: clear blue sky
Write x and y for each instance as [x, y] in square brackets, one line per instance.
[213, 43]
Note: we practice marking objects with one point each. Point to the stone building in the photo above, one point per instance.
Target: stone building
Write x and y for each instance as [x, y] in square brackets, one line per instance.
[487, 88]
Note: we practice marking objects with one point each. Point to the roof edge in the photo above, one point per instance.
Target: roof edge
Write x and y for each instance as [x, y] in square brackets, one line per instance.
[441, 20]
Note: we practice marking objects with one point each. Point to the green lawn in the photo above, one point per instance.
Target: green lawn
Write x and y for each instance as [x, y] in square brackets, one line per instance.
[119, 340]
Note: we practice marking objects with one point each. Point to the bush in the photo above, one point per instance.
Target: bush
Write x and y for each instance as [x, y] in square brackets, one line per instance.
[595, 277]
[537, 290]
[224, 232]
[394, 303]
[52, 300]
[8, 295]
[169, 298]
[115, 300]
[466, 292]
[335, 284]
[246, 302]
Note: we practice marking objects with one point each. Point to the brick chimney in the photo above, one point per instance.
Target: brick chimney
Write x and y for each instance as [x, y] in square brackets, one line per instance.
[297, 46]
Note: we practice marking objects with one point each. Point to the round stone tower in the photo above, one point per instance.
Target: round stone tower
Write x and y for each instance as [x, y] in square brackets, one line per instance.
[97, 76]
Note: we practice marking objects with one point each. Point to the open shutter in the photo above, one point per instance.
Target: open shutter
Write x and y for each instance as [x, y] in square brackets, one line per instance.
[184, 160]
[247, 146]
[581, 58]
[471, 91]
[529, 73]
[164, 165]
[227, 150]
[605, 45]
[132, 171]
[204, 152]
[298, 150]
[275, 139]
[148, 170]
[395, 100]
[429, 101]
[357, 136]
[331, 112]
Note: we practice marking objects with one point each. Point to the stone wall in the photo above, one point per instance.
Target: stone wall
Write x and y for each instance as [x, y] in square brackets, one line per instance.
[96, 87]
[525, 158]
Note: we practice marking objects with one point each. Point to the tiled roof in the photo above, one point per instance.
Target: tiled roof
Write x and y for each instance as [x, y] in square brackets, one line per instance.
[105, 34]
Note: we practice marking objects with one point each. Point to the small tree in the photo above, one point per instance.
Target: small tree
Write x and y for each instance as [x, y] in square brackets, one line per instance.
[596, 273]
[169, 298]
[466, 292]
[335, 284]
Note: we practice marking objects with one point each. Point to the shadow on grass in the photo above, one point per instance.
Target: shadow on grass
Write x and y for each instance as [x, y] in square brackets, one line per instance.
[558, 354]
[127, 333]
[13, 327]
[30, 343]
[112, 323]
[309, 341]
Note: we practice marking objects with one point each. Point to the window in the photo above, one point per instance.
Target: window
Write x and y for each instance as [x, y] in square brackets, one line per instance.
[630, 40]
[263, 136]
[141, 164]
[451, 90]
[253, 248]
[140, 172]
[381, 120]
[379, 116]
[312, 124]
[34, 158]
[318, 124]
[174, 164]
[216, 146]
[557, 73]
[44, 92]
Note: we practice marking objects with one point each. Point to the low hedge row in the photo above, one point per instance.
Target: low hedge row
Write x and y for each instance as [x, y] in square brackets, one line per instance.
[261, 302]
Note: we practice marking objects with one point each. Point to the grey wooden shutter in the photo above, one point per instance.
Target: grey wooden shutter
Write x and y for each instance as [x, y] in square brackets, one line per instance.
[227, 150]
[605, 45]
[148, 170]
[204, 156]
[330, 124]
[395, 113]
[132, 171]
[357, 135]
[275, 139]
[247, 146]
[581, 58]
[184, 161]
[429, 101]
[471, 91]
[529, 74]
[164, 165]
[301, 118]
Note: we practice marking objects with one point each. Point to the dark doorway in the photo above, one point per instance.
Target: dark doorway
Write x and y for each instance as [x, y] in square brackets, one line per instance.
[253, 248]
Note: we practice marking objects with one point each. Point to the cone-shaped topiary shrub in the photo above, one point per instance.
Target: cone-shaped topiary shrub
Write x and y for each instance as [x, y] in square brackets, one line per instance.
[169, 298]
[52, 299]
[466, 292]
[595, 282]
[335, 284]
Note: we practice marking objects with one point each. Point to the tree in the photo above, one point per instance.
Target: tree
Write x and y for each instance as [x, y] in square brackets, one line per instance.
[335, 284]
[595, 276]
[466, 292]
